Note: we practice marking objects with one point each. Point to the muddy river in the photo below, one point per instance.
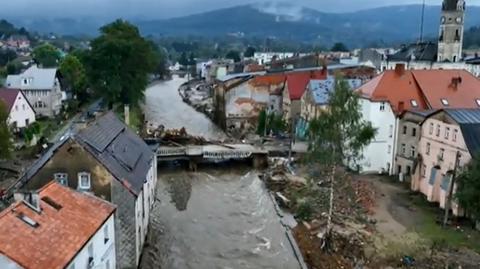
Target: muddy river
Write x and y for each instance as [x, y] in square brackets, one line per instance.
[220, 217]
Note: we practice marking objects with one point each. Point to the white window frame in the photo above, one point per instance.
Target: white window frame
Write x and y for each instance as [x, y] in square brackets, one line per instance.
[382, 106]
[84, 187]
[478, 102]
[427, 150]
[414, 103]
[444, 102]
[432, 126]
[447, 132]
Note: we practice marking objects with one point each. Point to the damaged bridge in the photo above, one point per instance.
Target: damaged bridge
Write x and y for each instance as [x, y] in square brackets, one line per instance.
[213, 153]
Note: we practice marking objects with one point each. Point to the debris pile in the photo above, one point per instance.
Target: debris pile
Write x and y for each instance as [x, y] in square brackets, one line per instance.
[365, 195]
[175, 137]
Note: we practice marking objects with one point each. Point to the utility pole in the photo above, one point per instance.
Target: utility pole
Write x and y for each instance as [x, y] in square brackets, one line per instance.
[448, 202]
[422, 22]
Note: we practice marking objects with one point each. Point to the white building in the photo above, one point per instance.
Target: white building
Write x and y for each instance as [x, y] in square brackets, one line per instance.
[266, 57]
[21, 113]
[42, 88]
[57, 228]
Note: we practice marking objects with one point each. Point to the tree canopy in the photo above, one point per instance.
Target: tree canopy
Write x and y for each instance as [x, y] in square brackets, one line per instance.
[119, 63]
[6, 56]
[46, 55]
[249, 52]
[339, 134]
[339, 47]
[5, 136]
[234, 55]
[74, 75]
[468, 188]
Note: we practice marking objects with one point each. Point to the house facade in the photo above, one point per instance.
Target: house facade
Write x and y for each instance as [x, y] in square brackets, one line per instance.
[447, 136]
[20, 112]
[42, 88]
[409, 133]
[109, 161]
[57, 228]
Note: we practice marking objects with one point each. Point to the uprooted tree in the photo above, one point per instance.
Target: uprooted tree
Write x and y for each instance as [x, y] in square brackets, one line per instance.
[337, 136]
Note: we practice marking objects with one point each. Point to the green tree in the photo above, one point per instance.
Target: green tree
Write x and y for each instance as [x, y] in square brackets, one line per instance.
[46, 55]
[339, 47]
[119, 63]
[468, 188]
[249, 52]
[74, 75]
[160, 53]
[338, 136]
[183, 59]
[5, 136]
[262, 122]
[234, 55]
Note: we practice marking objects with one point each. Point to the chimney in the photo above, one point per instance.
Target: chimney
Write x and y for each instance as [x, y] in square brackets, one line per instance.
[30, 199]
[456, 81]
[400, 69]
[126, 111]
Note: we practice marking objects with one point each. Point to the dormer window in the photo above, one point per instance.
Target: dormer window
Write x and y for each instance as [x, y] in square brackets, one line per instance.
[61, 178]
[414, 103]
[478, 102]
[444, 102]
[84, 181]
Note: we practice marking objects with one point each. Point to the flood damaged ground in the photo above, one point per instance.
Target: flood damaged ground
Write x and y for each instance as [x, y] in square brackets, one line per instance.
[216, 218]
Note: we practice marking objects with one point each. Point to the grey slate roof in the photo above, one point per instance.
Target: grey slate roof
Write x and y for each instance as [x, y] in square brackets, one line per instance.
[320, 89]
[120, 150]
[41, 79]
[426, 51]
[123, 153]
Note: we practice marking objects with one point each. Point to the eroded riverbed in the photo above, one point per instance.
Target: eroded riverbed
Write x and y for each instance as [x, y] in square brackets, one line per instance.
[221, 217]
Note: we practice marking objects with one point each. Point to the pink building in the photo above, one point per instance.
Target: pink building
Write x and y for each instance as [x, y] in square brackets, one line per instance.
[443, 135]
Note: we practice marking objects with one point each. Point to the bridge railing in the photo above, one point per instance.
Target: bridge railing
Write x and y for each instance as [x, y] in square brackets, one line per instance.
[171, 151]
[225, 155]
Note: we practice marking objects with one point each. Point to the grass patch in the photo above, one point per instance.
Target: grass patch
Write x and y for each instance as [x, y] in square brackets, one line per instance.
[429, 227]
[48, 127]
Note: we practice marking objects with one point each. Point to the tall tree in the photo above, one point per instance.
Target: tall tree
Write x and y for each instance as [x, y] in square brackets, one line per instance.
[5, 136]
[339, 47]
[234, 55]
[262, 122]
[74, 75]
[119, 63]
[46, 55]
[249, 52]
[338, 136]
[468, 188]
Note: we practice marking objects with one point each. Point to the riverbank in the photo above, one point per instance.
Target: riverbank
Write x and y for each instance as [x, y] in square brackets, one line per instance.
[198, 94]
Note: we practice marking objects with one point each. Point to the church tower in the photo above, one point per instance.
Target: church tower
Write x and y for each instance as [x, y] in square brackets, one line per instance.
[450, 39]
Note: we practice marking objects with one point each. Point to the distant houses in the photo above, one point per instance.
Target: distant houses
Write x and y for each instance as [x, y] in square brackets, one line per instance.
[42, 88]
[57, 228]
[108, 160]
[20, 112]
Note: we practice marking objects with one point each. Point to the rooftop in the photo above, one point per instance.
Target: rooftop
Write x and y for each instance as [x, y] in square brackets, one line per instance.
[320, 90]
[8, 96]
[51, 238]
[40, 79]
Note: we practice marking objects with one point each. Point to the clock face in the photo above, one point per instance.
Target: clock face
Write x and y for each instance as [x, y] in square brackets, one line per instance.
[459, 20]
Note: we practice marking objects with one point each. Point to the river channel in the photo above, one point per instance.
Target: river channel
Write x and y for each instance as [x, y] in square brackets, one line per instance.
[220, 217]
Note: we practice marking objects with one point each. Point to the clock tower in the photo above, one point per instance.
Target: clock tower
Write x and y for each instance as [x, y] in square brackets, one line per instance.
[450, 39]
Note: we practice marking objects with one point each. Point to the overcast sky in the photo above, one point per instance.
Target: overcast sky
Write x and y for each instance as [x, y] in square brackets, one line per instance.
[173, 8]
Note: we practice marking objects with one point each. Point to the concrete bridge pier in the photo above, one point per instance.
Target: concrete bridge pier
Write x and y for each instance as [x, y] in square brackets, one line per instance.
[260, 161]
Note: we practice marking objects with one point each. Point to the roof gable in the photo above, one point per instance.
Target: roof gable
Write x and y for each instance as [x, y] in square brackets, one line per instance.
[9, 96]
[65, 230]
[297, 82]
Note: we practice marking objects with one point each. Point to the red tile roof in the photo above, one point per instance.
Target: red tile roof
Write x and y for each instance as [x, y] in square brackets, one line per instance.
[60, 234]
[8, 96]
[426, 87]
[268, 80]
[297, 82]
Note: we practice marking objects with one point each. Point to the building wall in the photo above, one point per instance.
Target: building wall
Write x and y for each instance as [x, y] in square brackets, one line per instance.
[72, 159]
[51, 99]
[103, 246]
[125, 226]
[423, 65]
[408, 133]
[451, 35]
[21, 114]
[378, 155]
[433, 184]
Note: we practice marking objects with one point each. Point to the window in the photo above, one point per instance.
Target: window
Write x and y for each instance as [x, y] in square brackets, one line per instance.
[16, 107]
[440, 155]
[444, 102]
[403, 149]
[90, 254]
[23, 107]
[412, 151]
[427, 150]
[399, 169]
[455, 133]
[105, 234]
[404, 129]
[391, 131]
[382, 106]
[61, 178]
[438, 130]
[430, 131]
[447, 132]
[478, 102]
[414, 132]
[72, 266]
[409, 170]
[389, 149]
[424, 170]
[414, 103]
[84, 181]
